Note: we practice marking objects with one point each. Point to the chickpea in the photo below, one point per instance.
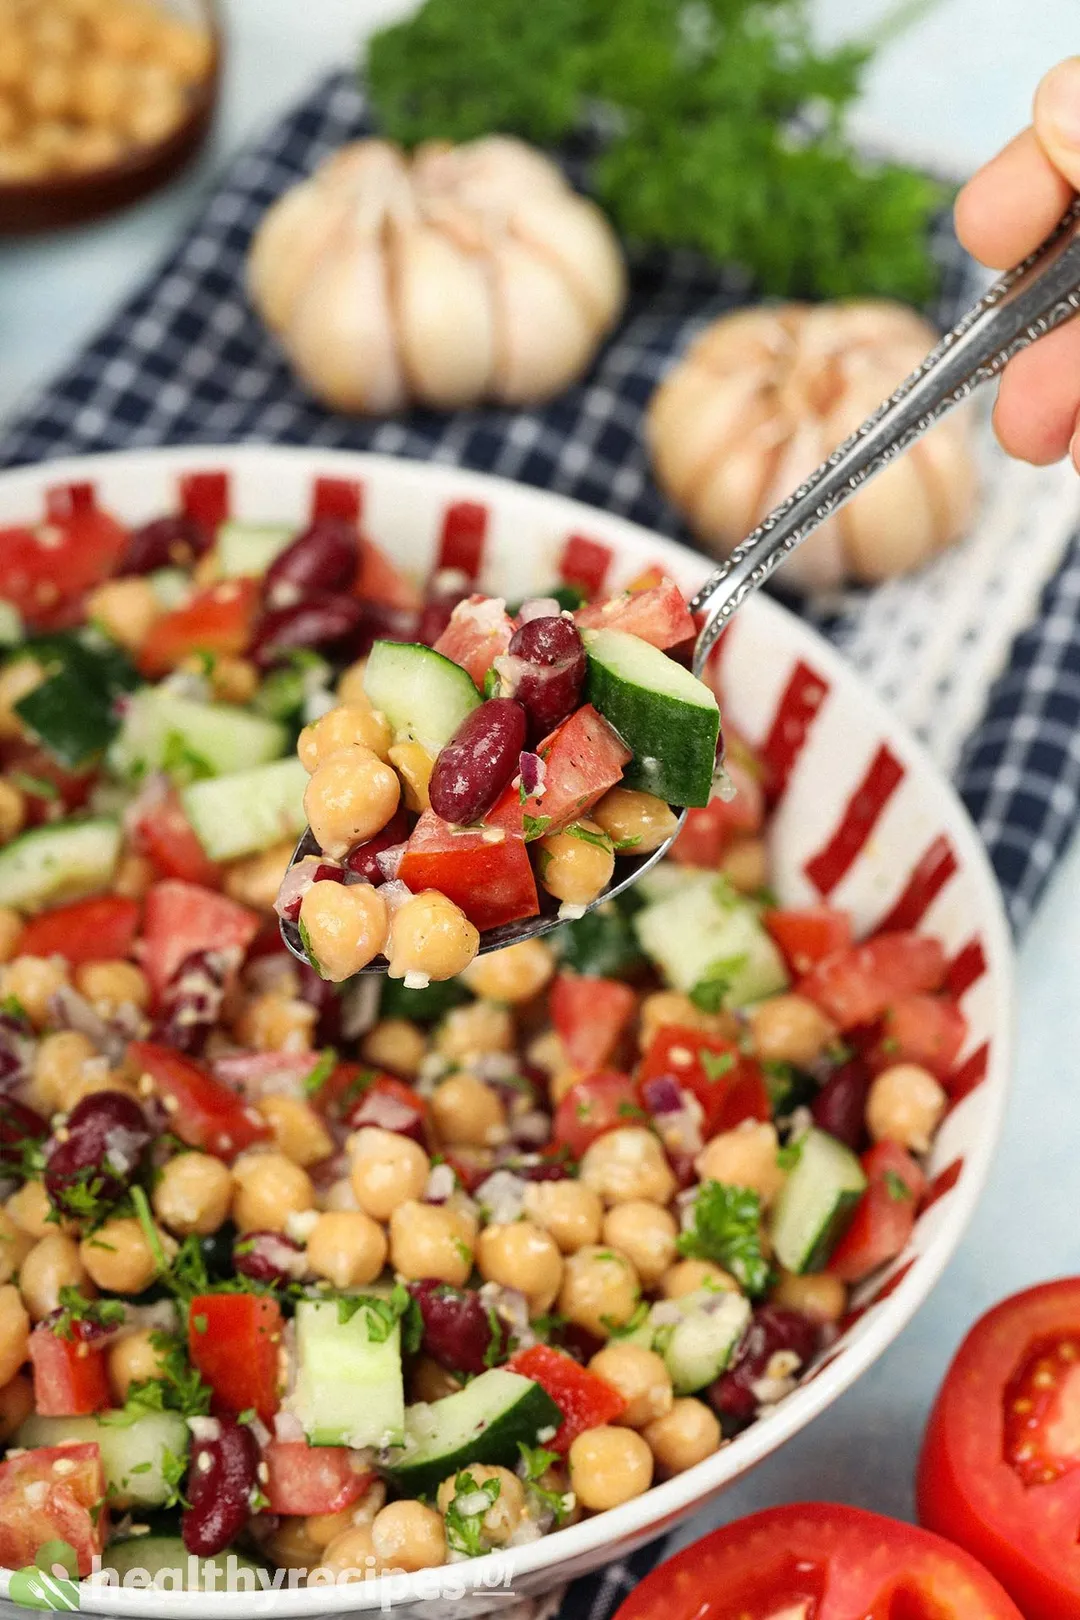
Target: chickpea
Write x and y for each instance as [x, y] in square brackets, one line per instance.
[97, 1076]
[17, 680]
[126, 609]
[92, 148]
[268, 1189]
[545, 1051]
[324, 1527]
[397, 1045]
[134, 1358]
[108, 986]
[292, 1546]
[641, 1378]
[431, 1382]
[16, 1405]
[350, 797]
[187, 51]
[33, 980]
[31, 1209]
[639, 821]
[149, 118]
[134, 875]
[15, 1245]
[118, 1256]
[53, 1263]
[346, 924]
[522, 1256]
[193, 1194]
[350, 1556]
[505, 1513]
[430, 937]
[276, 1023]
[687, 1276]
[645, 1233]
[58, 1066]
[569, 1210]
[12, 811]
[347, 726]
[465, 1111]
[387, 1170]
[790, 1029]
[409, 1536]
[347, 1247]
[628, 1164]
[906, 1105]
[745, 864]
[14, 1333]
[299, 1133]
[47, 87]
[744, 1157]
[414, 765]
[685, 1435]
[473, 1031]
[818, 1295]
[430, 1240]
[515, 974]
[11, 930]
[575, 868]
[600, 1290]
[350, 686]
[234, 680]
[255, 881]
[609, 1466]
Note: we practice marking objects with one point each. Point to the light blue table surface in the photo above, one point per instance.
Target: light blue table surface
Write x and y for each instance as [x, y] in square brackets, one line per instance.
[951, 90]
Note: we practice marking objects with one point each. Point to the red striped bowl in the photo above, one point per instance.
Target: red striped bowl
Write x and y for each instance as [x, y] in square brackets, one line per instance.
[863, 818]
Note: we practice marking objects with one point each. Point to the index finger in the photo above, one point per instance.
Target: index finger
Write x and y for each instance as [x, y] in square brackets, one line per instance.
[1012, 203]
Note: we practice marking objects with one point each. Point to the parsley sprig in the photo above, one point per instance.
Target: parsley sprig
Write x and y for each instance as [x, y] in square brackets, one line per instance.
[465, 1531]
[727, 1230]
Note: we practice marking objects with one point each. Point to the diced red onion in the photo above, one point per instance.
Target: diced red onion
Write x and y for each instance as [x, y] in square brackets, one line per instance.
[298, 880]
[395, 893]
[502, 1194]
[533, 774]
[539, 607]
[389, 861]
[441, 1184]
[288, 1427]
[265, 1074]
[662, 1095]
[385, 1111]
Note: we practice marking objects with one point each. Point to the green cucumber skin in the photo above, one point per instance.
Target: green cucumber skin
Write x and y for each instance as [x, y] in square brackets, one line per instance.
[124, 1446]
[247, 811]
[816, 1203]
[67, 860]
[832, 1233]
[673, 743]
[155, 1554]
[531, 1413]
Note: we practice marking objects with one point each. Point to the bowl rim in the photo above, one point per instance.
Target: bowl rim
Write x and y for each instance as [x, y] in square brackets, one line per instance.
[647, 1516]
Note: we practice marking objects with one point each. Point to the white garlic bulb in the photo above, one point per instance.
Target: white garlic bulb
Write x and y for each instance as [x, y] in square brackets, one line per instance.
[468, 273]
[764, 395]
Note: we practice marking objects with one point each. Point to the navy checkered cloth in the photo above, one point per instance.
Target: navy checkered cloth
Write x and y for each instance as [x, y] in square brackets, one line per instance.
[187, 361]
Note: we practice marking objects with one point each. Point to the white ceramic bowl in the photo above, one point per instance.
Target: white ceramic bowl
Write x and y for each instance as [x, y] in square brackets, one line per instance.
[853, 751]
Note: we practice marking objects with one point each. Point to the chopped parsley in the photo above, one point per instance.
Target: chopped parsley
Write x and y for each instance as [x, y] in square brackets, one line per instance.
[465, 1531]
[12, 1007]
[726, 1230]
[177, 1388]
[320, 1074]
[790, 1154]
[75, 1307]
[150, 1231]
[535, 1463]
[585, 835]
[712, 989]
[625, 1330]
[173, 1470]
[38, 787]
[535, 827]
[897, 1188]
[383, 1315]
[180, 761]
[715, 1064]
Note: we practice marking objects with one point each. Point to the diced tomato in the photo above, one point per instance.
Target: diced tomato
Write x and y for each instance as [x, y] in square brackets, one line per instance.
[234, 1341]
[312, 1479]
[337, 498]
[583, 758]
[492, 883]
[590, 1015]
[806, 937]
[53, 1493]
[709, 829]
[658, 615]
[386, 1101]
[45, 566]
[478, 633]
[218, 620]
[855, 986]
[928, 1030]
[585, 563]
[729, 1086]
[884, 1216]
[86, 931]
[204, 496]
[379, 580]
[248, 1072]
[202, 1112]
[180, 918]
[461, 544]
[164, 834]
[585, 1400]
[600, 1103]
[70, 1374]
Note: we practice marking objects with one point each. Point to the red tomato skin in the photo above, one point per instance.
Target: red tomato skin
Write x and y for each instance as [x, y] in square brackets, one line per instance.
[70, 1377]
[312, 1479]
[180, 918]
[808, 936]
[827, 1559]
[492, 883]
[378, 580]
[74, 1509]
[927, 1030]
[855, 986]
[471, 646]
[46, 567]
[590, 1015]
[87, 931]
[593, 1106]
[737, 1091]
[883, 1221]
[165, 835]
[218, 620]
[585, 563]
[583, 758]
[709, 829]
[237, 1351]
[658, 614]
[585, 1400]
[202, 1112]
[967, 1491]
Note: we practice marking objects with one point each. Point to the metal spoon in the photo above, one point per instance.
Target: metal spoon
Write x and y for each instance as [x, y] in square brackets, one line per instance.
[1027, 302]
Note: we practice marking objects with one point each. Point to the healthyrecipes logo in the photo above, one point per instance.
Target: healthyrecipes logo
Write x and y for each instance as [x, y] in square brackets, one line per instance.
[47, 1583]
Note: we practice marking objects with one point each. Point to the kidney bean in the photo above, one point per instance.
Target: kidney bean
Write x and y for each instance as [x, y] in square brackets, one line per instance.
[191, 1001]
[362, 862]
[168, 542]
[18, 1125]
[98, 1148]
[840, 1105]
[771, 1329]
[320, 621]
[548, 671]
[458, 1332]
[381, 622]
[324, 558]
[268, 1257]
[445, 590]
[478, 762]
[220, 1482]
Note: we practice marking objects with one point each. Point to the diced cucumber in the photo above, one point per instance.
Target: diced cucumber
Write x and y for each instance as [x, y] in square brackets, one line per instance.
[424, 696]
[697, 1335]
[172, 587]
[482, 1423]
[706, 934]
[218, 737]
[816, 1202]
[665, 716]
[247, 811]
[11, 626]
[349, 1388]
[64, 861]
[250, 548]
[167, 1556]
[670, 877]
[133, 1450]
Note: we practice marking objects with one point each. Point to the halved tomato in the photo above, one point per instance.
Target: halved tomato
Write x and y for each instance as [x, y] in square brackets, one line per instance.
[819, 1561]
[1000, 1467]
[884, 1216]
[54, 1493]
[181, 918]
[218, 621]
[590, 1015]
[86, 931]
[658, 614]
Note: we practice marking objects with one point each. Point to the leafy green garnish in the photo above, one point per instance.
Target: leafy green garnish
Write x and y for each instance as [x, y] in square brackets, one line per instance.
[585, 835]
[320, 1074]
[789, 1155]
[39, 787]
[177, 1388]
[465, 1531]
[383, 1315]
[715, 1064]
[173, 1470]
[12, 1007]
[897, 1188]
[75, 1307]
[601, 943]
[305, 940]
[536, 1460]
[535, 827]
[727, 1230]
[182, 762]
[712, 989]
[150, 1231]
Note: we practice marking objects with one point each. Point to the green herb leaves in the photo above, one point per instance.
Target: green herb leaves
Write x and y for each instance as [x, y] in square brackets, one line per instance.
[465, 1514]
[726, 1230]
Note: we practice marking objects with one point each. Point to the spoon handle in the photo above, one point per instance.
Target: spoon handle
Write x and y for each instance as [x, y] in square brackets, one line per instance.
[1027, 302]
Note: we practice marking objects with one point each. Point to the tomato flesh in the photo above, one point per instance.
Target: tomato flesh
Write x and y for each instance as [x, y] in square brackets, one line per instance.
[87, 931]
[585, 1400]
[163, 833]
[884, 1217]
[475, 641]
[53, 1493]
[218, 621]
[590, 1015]
[583, 758]
[927, 1030]
[729, 1086]
[855, 986]
[45, 567]
[234, 1341]
[70, 1377]
[312, 1479]
[593, 1106]
[658, 614]
[181, 918]
[808, 936]
[492, 883]
[202, 1112]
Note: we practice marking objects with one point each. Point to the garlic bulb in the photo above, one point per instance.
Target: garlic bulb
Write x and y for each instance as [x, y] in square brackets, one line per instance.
[760, 400]
[472, 272]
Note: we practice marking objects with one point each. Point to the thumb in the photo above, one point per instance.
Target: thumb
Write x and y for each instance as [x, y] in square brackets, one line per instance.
[1057, 118]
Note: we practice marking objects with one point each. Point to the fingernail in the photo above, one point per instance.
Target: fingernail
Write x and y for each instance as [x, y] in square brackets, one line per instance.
[1058, 101]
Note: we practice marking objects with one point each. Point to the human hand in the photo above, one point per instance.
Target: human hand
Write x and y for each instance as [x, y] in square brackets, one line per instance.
[1002, 214]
